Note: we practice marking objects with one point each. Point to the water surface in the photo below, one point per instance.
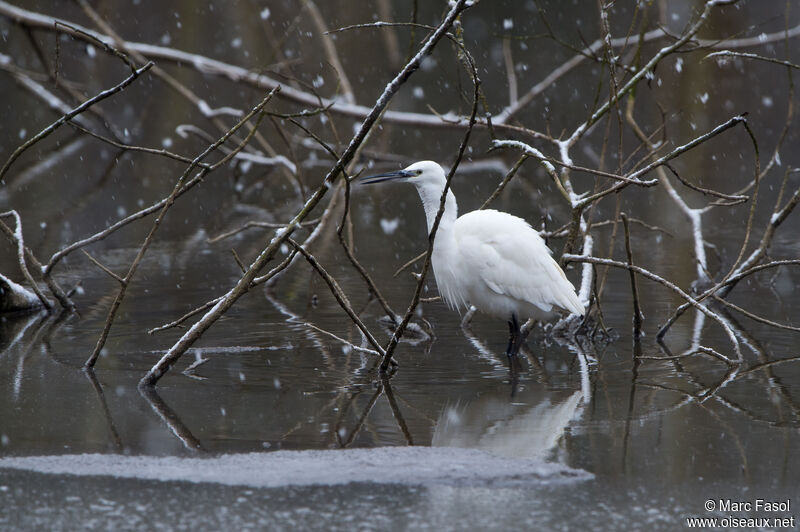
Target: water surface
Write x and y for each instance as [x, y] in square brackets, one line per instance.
[653, 440]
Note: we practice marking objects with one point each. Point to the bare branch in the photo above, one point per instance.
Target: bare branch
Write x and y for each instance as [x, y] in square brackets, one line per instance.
[18, 240]
[108, 272]
[637, 311]
[728, 53]
[75, 112]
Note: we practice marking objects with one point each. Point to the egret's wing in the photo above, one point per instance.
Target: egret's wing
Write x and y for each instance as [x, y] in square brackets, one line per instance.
[511, 258]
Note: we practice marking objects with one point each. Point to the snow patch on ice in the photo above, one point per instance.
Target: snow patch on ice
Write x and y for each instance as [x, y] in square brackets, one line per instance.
[383, 465]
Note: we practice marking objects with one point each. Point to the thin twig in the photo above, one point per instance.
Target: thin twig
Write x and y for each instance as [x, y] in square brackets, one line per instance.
[728, 53]
[755, 317]
[507, 179]
[108, 272]
[208, 304]
[637, 311]
[340, 296]
[372, 287]
[75, 112]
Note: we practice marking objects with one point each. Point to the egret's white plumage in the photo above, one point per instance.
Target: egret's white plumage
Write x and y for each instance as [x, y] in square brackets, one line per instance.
[489, 259]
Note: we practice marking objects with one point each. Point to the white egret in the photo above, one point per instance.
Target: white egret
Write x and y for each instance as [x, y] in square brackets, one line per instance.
[489, 259]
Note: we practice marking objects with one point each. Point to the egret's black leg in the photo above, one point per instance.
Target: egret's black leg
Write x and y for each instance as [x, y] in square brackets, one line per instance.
[511, 332]
[515, 339]
[514, 342]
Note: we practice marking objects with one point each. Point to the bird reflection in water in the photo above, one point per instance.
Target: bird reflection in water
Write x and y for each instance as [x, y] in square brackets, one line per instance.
[530, 427]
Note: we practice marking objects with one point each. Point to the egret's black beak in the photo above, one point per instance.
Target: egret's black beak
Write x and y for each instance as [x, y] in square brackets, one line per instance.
[368, 180]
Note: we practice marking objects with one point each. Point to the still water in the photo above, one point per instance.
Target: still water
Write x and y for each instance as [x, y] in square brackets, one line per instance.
[593, 435]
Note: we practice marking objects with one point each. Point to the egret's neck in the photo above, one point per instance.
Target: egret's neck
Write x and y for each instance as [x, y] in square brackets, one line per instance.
[431, 196]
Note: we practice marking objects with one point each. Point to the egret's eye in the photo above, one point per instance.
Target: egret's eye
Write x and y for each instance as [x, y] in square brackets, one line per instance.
[419, 172]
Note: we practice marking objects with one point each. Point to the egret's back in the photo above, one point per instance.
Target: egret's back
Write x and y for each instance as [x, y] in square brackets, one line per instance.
[500, 264]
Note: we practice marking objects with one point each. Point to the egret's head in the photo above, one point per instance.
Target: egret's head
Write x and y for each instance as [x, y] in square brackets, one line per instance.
[430, 181]
[420, 173]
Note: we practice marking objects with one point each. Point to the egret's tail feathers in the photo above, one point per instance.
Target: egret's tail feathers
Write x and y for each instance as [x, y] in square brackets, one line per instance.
[572, 303]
